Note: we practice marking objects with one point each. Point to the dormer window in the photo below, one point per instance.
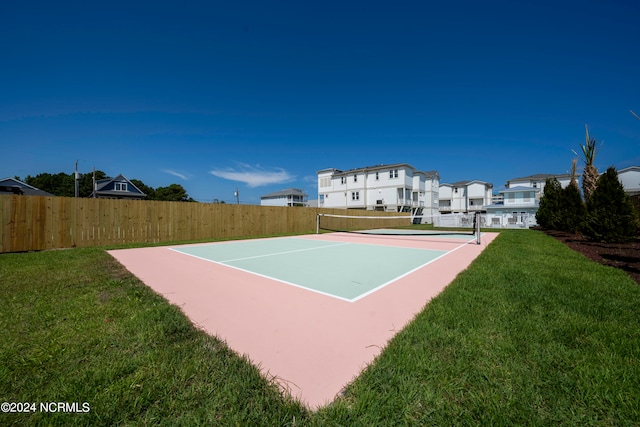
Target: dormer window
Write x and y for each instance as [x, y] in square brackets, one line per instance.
[120, 186]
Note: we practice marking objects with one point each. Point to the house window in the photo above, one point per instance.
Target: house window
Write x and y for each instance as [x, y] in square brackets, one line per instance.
[355, 195]
[377, 175]
[393, 173]
[455, 189]
[342, 180]
[325, 182]
[355, 178]
[120, 186]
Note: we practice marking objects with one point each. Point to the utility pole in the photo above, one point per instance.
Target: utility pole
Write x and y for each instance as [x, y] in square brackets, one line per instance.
[77, 178]
[237, 194]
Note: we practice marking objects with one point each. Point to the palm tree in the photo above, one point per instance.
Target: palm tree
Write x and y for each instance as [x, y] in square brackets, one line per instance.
[574, 180]
[590, 173]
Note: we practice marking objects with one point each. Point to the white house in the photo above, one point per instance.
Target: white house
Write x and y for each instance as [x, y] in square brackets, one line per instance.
[465, 196]
[538, 181]
[517, 210]
[517, 204]
[288, 197]
[396, 188]
[630, 179]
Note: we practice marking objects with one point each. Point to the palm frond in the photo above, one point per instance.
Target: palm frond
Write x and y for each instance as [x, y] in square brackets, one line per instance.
[590, 148]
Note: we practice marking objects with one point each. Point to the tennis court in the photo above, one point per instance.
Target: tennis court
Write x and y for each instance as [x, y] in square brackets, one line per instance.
[311, 311]
[344, 270]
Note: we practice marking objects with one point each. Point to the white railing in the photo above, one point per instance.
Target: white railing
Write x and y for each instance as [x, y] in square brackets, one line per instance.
[508, 220]
[462, 220]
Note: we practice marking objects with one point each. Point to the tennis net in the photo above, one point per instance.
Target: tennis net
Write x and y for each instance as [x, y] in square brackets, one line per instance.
[450, 224]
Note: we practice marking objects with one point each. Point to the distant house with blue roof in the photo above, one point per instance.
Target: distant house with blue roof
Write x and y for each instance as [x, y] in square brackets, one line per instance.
[117, 188]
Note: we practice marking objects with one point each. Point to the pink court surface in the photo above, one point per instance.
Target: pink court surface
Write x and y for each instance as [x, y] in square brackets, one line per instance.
[311, 341]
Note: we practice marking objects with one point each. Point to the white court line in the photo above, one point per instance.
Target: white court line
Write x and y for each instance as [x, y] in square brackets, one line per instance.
[261, 256]
[285, 252]
[221, 263]
[369, 292]
[397, 237]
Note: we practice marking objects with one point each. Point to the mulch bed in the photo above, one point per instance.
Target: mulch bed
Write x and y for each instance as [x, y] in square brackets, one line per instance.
[625, 256]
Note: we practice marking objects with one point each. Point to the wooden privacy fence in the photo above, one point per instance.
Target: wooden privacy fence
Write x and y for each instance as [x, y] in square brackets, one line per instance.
[32, 223]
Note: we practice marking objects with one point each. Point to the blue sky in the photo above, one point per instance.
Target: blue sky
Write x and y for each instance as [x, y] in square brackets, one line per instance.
[260, 95]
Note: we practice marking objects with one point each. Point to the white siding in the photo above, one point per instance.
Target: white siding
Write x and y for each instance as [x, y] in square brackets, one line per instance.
[540, 182]
[630, 179]
[390, 188]
[272, 201]
[466, 196]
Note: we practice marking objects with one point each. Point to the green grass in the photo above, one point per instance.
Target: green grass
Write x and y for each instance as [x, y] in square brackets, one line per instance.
[531, 334]
[78, 328]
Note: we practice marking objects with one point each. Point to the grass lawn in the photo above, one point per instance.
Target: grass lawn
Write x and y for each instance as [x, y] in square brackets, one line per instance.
[531, 334]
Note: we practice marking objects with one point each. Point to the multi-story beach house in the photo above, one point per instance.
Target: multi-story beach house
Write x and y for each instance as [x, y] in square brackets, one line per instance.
[393, 188]
[465, 196]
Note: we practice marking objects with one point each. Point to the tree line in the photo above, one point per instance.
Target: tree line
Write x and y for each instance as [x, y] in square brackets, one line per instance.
[64, 185]
[606, 214]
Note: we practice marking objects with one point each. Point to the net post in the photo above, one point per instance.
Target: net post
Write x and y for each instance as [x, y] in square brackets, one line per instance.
[477, 227]
[318, 223]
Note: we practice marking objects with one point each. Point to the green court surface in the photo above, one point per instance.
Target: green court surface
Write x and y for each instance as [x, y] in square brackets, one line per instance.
[348, 271]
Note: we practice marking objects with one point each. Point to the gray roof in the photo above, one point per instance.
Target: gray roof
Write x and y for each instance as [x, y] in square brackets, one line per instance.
[542, 176]
[466, 182]
[430, 173]
[287, 192]
[14, 186]
[630, 168]
[380, 167]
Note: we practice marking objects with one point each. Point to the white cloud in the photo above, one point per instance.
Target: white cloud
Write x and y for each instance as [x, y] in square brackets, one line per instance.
[311, 179]
[254, 176]
[174, 173]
